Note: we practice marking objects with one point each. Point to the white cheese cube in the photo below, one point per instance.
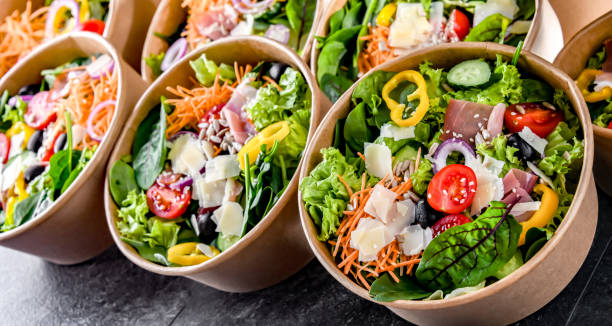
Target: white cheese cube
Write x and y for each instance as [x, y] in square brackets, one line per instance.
[411, 240]
[378, 160]
[229, 219]
[222, 167]
[381, 203]
[369, 238]
[411, 27]
[187, 156]
[208, 194]
[539, 144]
[390, 130]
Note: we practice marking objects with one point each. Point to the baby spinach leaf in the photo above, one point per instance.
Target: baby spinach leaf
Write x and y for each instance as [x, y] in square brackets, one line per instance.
[536, 91]
[25, 209]
[526, 9]
[59, 167]
[334, 86]
[328, 62]
[150, 158]
[356, 131]
[466, 255]
[335, 21]
[122, 181]
[385, 289]
[491, 29]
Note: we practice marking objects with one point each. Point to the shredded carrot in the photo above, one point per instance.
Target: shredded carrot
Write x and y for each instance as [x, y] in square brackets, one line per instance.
[376, 49]
[271, 81]
[19, 34]
[196, 10]
[361, 156]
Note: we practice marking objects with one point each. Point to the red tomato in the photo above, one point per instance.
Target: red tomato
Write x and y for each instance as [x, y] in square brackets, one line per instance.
[40, 112]
[5, 148]
[448, 222]
[94, 26]
[167, 202]
[458, 26]
[610, 125]
[540, 120]
[452, 189]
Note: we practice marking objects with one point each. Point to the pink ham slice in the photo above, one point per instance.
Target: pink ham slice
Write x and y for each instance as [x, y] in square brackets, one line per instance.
[237, 126]
[217, 22]
[516, 178]
[607, 66]
[464, 120]
[496, 120]
[512, 195]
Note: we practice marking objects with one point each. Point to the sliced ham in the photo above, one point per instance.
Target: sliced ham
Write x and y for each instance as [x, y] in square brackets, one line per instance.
[516, 178]
[603, 80]
[511, 196]
[464, 120]
[238, 127]
[216, 22]
[607, 66]
[496, 120]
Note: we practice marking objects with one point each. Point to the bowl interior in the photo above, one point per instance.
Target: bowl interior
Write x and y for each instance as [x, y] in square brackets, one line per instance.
[446, 56]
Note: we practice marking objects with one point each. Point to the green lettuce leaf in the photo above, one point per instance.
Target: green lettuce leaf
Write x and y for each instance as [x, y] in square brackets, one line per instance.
[491, 29]
[206, 71]
[154, 62]
[421, 177]
[598, 59]
[499, 150]
[132, 222]
[291, 147]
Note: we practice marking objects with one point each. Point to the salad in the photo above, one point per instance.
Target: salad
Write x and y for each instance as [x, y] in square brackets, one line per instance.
[207, 166]
[363, 35]
[288, 22]
[49, 132]
[595, 82]
[442, 181]
[21, 32]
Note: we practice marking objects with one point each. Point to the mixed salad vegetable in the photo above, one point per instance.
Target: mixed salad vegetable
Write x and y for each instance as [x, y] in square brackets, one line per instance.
[208, 165]
[288, 22]
[21, 32]
[49, 132]
[595, 83]
[365, 34]
[465, 174]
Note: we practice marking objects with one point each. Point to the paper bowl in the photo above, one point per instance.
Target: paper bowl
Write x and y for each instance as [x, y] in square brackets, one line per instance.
[574, 16]
[573, 59]
[73, 228]
[276, 247]
[169, 16]
[541, 278]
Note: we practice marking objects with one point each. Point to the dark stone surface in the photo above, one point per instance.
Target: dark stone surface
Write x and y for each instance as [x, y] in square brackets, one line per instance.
[109, 290]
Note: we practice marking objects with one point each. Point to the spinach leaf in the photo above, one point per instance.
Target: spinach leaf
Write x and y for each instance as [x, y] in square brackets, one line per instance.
[536, 91]
[466, 255]
[370, 88]
[356, 131]
[344, 35]
[335, 21]
[59, 168]
[155, 254]
[122, 181]
[24, 210]
[526, 9]
[328, 62]
[491, 29]
[300, 14]
[335, 85]
[150, 158]
[385, 289]
[351, 18]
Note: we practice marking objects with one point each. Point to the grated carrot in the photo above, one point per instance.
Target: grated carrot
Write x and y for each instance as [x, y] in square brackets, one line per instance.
[195, 10]
[376, 49]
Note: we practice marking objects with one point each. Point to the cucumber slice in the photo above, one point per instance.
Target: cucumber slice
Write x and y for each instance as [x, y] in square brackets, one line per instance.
[224, 242]
[469, 73]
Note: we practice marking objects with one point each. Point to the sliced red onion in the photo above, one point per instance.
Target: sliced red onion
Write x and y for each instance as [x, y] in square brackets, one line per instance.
[180, 133]
[72, 5]
[91, 117]
[13, 100]
[496, 120]
[103, 65]
[175, 53]
[278, 32]
[449, 146]
[182, 183]
[248, 7]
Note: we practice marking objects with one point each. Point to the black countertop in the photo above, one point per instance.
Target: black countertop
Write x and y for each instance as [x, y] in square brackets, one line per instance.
[109, 290]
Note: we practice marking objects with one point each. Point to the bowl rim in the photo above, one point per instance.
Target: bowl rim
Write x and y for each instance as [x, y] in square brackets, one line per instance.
[110, 207]
[164, 4]
[323, 27]
[98, 160]
[322, 252]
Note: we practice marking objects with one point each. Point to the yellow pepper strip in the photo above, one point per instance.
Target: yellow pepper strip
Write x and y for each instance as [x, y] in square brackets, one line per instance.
[18, 128]
[386, 14]
[187, 254]
[84, 10]
[397, 109]
[274, 132]
[584, 81]
[543, 216]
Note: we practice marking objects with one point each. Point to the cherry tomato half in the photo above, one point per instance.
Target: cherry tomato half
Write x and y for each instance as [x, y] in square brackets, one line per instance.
[610, 125]
[458, 26]
[94, 26]
[165, 201]
[5, 148]
[40, 112]
[539, 119]
[452, 189]
[448, 222]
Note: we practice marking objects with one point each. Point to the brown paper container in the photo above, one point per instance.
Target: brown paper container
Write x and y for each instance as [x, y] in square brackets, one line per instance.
[274, 249]
[169, 16]
[73, 230]
[541, 278]
[575, 15]
[573, 59]
[335, 5]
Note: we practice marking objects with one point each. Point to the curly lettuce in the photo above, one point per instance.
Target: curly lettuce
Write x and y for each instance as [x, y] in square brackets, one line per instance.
[499, 150]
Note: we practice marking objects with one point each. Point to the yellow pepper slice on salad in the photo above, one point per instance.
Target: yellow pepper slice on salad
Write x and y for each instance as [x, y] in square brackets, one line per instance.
[386, 14]
[84, 9]
[188, 254]
[18, 128]
[543, 216]
[19, 194]
[274, 132]
[397, 109]
[585, 79]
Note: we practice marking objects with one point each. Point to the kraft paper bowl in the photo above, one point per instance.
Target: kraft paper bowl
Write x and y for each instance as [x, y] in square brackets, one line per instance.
[542, 277]
[575, 16]
[73, 228]
[170, 15]
[573, 59]
[276, 247]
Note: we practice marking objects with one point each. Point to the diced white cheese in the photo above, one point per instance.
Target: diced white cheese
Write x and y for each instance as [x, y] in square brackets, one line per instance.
[381, 203]
[411, 27]
[390, 130]
[232, 190]
[369, 238]
[205, 249]
[489, 187]
[222, 167]
[78, 134]
[245, 27]
[16, 144]
[378, 160]
[187, 156]
[412, 240]
[208, 149]
[229, 218]
[403, 215]
[495, 166]
[14, 167]
[427, 237]
[508, 8]
[208, 194]
[539, 144]
[540, 173]
[523, 211]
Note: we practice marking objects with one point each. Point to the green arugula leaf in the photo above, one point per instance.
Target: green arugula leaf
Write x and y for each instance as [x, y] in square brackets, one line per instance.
[385, 289]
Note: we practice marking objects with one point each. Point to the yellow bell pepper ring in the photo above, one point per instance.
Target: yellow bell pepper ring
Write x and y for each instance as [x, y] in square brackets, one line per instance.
[583, 82]
[274, 132]
[543, 216]
[386, 14]
[397, 109]
[188, 254]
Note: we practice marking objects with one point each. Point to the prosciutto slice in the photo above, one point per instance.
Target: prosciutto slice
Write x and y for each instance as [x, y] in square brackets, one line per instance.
[465, 119]
[217, 22]
[516, 178]
[607, 66]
